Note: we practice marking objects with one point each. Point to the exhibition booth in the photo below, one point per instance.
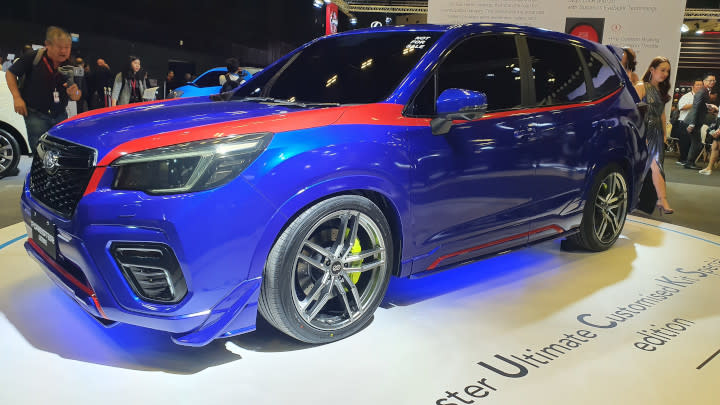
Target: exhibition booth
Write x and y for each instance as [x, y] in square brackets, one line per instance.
[638, 323]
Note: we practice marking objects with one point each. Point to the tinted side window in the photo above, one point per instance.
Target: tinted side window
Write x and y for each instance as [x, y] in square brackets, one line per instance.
[558, 73]
[209, 79]
[424, 103]
[488, 64]
[605, 81]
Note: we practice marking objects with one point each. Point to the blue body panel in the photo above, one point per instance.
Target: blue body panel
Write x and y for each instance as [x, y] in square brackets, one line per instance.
[488, 185]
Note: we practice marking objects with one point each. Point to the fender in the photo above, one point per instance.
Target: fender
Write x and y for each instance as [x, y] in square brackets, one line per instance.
[319, 191]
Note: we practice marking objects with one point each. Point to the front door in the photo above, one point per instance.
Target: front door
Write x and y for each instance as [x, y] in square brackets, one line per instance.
[472, 187]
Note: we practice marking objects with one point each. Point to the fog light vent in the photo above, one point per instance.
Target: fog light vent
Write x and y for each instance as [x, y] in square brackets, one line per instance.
[152, 270]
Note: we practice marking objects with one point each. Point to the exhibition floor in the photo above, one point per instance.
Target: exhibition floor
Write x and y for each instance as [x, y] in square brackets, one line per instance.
[556, 323]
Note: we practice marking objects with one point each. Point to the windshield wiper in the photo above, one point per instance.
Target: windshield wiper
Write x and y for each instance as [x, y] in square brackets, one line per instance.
[285, 102]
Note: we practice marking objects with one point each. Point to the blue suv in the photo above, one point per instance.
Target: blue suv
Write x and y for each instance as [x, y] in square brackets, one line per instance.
[398, 151]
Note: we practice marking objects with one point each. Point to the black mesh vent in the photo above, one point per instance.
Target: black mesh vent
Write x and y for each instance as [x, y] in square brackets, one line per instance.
[151, 269]
[59, 180]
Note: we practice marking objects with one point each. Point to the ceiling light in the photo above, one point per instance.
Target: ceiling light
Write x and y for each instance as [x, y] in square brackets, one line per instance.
[684, 28]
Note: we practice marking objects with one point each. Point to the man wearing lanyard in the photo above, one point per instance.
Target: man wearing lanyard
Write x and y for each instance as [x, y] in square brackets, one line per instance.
[44, 94]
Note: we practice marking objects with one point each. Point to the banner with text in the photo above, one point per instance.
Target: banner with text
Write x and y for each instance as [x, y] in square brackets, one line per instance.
[642, 25]
[331, 19]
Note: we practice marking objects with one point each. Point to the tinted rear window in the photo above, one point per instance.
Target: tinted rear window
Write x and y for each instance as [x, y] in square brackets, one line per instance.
[558, 73]
[604, 79]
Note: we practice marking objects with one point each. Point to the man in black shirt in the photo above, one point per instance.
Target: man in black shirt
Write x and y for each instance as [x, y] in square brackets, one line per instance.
[44, 93]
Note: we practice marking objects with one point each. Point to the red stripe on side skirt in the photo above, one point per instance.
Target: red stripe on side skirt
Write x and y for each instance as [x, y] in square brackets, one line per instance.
[493, 243]
[77, 283]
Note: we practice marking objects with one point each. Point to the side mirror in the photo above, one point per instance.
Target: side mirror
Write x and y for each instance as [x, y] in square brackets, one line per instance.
[457, 104]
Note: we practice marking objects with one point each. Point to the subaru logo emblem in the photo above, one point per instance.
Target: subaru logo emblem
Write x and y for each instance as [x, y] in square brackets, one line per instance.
[50, 161]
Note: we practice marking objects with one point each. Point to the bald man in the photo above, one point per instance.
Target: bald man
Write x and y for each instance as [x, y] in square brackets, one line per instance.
[45, 93]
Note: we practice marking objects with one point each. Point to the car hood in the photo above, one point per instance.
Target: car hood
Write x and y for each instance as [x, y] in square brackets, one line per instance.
[111, 128]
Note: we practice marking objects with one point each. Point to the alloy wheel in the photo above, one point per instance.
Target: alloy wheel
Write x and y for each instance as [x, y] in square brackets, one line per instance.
[7, 154]
[339, 270]
[610, 207]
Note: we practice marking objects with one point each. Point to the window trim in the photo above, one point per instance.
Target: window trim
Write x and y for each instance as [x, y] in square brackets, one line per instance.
[433, 73]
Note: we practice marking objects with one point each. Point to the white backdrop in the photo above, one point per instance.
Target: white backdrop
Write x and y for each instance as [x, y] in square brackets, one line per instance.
[650, 27]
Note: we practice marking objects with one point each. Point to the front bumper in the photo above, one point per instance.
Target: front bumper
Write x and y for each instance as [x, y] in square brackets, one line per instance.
[214, 235]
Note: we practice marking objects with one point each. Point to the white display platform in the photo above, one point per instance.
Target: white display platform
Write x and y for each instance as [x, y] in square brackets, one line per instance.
[424, 345]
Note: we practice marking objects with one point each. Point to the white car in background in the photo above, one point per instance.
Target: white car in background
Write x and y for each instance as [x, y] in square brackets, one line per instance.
[13, 135]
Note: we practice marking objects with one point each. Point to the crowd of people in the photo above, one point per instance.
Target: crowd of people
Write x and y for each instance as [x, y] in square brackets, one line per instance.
[687, 127]
[41, 85]
[694, 109]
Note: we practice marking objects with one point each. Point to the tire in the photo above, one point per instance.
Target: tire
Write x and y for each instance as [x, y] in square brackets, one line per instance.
[605, 211]
[9, 153]
[319, 288]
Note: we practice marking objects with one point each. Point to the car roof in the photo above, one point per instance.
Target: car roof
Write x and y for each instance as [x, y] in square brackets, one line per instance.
[480, 27]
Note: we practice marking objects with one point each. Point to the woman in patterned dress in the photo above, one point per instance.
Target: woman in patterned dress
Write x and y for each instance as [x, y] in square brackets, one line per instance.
[654, 89]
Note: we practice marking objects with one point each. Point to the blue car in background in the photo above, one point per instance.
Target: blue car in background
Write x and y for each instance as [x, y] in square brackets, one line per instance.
[208, 83]
[398, 151]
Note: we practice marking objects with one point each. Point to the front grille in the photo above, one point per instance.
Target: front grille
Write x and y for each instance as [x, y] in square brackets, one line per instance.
[60, 173]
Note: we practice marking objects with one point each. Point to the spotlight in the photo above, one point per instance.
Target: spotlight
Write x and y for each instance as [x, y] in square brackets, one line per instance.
[353, 20]
[318, 3]
[684, 28]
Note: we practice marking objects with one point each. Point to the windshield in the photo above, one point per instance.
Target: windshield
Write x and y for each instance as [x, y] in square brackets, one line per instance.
[209, 79]
[344, 69]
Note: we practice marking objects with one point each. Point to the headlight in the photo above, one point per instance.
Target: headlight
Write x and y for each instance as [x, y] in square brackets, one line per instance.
[189, 167]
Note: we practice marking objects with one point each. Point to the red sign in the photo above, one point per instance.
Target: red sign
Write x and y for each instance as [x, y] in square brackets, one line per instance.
[586, 31]
[331, 19]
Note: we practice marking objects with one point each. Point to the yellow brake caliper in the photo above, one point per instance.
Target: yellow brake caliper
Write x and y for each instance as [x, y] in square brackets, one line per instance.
[356, 248]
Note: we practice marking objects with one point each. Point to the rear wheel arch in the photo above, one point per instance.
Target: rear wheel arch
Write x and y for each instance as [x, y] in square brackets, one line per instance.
[615, 156]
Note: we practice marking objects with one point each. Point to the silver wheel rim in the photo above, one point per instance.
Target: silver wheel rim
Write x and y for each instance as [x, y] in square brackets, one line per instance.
[339, 270]
[6, 153]
[610, 207]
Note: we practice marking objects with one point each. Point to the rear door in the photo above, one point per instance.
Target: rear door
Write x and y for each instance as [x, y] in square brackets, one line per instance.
[564, 120]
